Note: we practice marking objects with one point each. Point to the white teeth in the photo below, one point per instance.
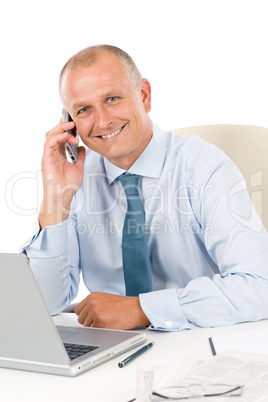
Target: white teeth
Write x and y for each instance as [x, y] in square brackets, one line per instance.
[111, 135]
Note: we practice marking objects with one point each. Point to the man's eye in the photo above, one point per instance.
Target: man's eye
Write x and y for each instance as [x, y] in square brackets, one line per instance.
[112, 99]
[83, 110]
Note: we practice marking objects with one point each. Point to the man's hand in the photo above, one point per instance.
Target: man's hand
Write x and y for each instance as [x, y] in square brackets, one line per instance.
[104, 310]
[61, 179]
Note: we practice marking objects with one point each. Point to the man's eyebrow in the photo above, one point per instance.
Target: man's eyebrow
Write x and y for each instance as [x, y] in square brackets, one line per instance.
[106, 95]
[78, 106]
[111, 93]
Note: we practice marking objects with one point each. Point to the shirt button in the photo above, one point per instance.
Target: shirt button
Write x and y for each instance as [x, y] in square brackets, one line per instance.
[168, 324]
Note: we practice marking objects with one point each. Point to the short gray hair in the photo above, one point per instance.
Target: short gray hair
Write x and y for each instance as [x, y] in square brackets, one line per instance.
[88, 56]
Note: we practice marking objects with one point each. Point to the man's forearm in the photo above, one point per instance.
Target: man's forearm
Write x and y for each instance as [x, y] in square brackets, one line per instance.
[54, 210]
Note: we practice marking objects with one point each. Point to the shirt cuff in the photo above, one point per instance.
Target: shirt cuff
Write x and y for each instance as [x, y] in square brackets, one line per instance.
[163, 309]
[48, 243]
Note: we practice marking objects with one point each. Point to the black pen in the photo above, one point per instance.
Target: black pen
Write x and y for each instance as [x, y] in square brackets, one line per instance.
[136, 354]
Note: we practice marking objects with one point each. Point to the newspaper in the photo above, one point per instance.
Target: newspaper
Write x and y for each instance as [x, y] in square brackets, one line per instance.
[234, 368]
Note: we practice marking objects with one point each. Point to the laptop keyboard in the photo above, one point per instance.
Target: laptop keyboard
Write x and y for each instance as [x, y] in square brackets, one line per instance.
[75, 350]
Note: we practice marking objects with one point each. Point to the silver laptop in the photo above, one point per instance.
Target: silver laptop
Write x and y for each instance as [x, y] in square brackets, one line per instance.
[29, 340]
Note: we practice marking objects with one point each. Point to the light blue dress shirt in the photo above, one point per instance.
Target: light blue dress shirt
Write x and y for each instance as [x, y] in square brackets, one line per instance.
[208, 248]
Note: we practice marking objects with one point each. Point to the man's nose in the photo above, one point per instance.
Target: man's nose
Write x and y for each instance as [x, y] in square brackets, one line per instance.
[103, 118]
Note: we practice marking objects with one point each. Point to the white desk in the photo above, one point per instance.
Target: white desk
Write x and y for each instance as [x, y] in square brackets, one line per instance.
[107, 382]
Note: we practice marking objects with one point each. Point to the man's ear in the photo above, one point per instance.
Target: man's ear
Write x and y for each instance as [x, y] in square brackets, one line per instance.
[146, 94]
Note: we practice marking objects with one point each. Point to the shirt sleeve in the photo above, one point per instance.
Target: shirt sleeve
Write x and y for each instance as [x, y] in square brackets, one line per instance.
[238, 245]
[54, 260]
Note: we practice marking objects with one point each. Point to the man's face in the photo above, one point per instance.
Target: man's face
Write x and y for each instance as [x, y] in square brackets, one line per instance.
[110, 113]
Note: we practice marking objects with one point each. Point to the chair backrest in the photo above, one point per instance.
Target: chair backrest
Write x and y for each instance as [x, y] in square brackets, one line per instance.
[247, 146]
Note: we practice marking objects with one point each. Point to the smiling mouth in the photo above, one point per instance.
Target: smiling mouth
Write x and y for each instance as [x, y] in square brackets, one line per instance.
[112, 134]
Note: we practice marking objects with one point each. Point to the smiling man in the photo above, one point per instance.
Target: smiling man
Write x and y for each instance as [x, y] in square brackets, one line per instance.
[116, 126]
[204, 267]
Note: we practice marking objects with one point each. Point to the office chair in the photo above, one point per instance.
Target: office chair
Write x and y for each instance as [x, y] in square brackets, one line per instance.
[247, 146]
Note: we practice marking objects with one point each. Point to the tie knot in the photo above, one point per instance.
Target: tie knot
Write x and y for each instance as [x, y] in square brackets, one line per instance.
[130, 183]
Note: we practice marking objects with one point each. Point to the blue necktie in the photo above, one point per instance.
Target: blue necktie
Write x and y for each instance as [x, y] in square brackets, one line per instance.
[136, 262]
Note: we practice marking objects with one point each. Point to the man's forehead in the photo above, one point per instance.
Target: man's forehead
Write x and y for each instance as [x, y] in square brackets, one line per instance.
[105, 64]
[99, 74]
[99, 71]
[83, 91]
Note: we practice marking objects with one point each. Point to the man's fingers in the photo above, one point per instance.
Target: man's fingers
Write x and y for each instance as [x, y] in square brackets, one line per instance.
[81, 155]
[80, 307]
[86, 310]
[104, 310]
[60, 129]
[83, 316]
[88, 322]
[60, 138]
[82, 312]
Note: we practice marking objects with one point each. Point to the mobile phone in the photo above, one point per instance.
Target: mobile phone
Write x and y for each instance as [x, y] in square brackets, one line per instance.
[71, 149]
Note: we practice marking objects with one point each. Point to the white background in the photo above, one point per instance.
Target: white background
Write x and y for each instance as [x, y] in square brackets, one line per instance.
[207, 61]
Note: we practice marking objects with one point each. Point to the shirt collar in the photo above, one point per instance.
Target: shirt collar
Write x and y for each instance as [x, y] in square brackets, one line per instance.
[149, 163]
